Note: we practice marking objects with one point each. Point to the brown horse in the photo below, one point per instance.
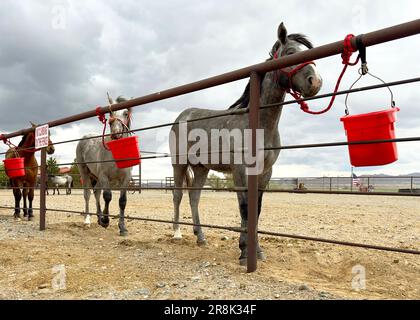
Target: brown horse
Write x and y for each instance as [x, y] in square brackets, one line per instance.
[26, 149]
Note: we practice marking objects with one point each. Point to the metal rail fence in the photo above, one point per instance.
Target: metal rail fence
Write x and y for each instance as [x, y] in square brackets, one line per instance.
[254, 72]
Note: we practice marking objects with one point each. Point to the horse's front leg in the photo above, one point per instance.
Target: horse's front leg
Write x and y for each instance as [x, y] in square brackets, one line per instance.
[243, 238]
[122, 204]
[18, 195]
[31, 194]
[25, 208]
[97, 192]
[241, 180]
[107, 195]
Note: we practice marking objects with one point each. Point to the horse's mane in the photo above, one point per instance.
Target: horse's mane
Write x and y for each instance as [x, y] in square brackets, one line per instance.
[121, 99]
[23, 140]
[243, 101]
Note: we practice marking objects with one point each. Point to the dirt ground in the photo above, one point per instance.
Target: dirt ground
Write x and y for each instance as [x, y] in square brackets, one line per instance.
[148, 264]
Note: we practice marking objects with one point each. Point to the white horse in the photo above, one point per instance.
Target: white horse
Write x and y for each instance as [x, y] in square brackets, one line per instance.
[105, 175]
[60, 181]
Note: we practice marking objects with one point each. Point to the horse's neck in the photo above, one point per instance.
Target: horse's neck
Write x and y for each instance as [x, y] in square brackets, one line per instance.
[26, 149]
[270, 94]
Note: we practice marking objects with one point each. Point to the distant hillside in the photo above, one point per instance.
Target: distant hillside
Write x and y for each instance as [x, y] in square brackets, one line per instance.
[381, 175]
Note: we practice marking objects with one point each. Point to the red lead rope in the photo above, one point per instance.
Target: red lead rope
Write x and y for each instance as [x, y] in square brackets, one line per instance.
[346, 55]
[102, 119]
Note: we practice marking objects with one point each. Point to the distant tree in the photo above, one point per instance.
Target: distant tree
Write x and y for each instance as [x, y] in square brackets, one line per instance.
[74, 171]
[4, 179]
[216, 182]
[229, 180]
[213, 181]
[52, 167]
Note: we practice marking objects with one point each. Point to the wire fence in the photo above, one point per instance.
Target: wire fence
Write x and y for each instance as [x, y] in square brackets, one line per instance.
[370, 39]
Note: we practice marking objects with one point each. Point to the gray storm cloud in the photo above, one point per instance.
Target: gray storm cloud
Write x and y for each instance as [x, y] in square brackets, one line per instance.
[58, 58]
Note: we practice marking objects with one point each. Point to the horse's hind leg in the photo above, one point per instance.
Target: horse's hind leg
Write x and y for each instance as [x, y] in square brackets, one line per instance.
[86, 195]
[179, 175]
[87, 184]
[200, 177]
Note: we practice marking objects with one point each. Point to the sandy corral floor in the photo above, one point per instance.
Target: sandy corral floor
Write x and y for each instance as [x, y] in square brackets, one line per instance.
[97, 263]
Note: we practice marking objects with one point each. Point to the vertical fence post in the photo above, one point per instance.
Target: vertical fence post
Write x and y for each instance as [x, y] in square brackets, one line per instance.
[330, 184]
[140, 177]
[412, 184]
[254, 107]
[42, 189]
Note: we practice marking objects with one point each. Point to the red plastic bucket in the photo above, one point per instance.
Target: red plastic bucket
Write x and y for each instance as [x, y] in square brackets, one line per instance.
[372, 126]
[125, 148]
[15, 167]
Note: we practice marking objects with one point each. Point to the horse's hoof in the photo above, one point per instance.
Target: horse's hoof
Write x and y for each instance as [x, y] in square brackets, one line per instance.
[243, 262]
[31, 218]
[202, 243]
[177, 235]
[17, 218]
[261, 256]
[177, 239]
[124, 233]
[105, 225]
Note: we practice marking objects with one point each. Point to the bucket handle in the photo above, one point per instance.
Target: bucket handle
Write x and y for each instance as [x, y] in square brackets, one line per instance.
[362, 72]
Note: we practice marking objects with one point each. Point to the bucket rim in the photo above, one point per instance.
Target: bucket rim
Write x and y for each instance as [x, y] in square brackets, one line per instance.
[14, 159]
[122, 140]
[370, 114]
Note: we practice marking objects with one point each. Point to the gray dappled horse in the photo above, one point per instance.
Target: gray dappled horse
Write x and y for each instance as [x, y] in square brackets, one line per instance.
[104, 176]
[303, 78]
[60, 181]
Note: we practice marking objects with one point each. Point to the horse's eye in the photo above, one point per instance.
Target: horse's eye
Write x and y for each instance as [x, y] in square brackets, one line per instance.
[289, 52]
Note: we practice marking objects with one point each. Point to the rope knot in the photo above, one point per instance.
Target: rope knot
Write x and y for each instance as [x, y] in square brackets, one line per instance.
[348, 51]
[3, 138]
[304, 106]
[100, 115]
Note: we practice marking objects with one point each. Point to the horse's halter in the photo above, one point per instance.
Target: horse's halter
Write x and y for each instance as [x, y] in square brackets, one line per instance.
[124, 123]
[297, 95]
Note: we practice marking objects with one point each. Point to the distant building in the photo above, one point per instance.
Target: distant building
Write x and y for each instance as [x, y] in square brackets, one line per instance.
[64, 170]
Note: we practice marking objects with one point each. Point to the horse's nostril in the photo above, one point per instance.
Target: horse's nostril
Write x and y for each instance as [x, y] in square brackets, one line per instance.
[311, 80]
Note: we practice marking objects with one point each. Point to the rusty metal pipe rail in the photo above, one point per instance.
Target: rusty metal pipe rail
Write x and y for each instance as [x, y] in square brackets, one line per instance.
[244, 230]
[342, 243]
[369, 39]
[246, 110]
[240, 189]
[128, 217]
[355, 193]
[340, 144]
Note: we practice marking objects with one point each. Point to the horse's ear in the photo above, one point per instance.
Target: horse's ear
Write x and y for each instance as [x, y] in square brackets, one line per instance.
[282, 33]
[33, 124]
[110, 100]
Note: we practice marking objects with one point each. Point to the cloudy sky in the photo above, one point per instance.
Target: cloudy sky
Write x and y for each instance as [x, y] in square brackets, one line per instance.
[58, 58]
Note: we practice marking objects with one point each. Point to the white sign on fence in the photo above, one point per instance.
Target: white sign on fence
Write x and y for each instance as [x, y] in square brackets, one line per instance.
[41, 136]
